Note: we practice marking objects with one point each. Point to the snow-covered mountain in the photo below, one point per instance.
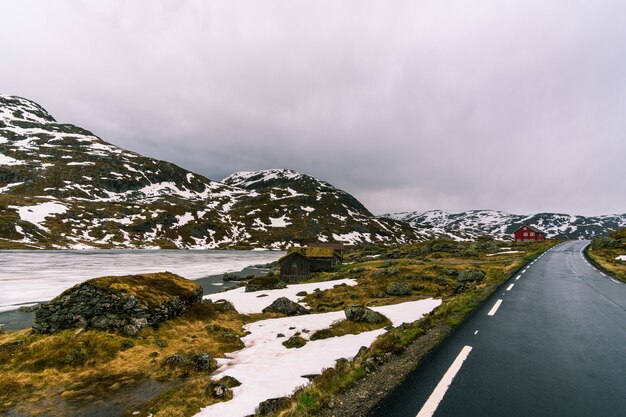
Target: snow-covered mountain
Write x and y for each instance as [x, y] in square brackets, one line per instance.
[61, 186]
[474, 223]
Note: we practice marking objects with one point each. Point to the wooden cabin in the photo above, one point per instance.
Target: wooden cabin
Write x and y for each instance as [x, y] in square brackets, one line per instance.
[299, 263]
[528, 234]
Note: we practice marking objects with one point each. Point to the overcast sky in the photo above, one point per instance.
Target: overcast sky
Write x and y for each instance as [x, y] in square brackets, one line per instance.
[408, 105]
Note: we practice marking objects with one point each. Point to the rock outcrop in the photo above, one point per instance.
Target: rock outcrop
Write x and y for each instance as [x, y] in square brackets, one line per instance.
[398, 289]
[124, 304]
[284, 305]
[363, 315]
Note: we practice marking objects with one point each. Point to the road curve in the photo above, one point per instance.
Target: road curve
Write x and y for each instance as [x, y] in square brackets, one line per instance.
[551, 342]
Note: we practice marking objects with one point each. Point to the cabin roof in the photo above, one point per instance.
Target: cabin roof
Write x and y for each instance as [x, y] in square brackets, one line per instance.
[311, 253]
[534, 229]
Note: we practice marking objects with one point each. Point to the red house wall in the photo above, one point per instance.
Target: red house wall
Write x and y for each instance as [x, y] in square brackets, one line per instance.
[530, 236]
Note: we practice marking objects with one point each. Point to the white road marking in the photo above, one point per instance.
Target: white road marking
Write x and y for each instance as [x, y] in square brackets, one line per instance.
[603, 274]
[615, 281]
[494, 308]
[476, 332]
[430, 406]
[510, 286]
[517, 277]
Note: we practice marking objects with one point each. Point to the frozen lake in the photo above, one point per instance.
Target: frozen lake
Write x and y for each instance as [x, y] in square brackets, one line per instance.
[28, 277]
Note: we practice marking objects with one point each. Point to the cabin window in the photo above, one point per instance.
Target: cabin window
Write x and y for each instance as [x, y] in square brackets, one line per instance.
[525, 233]
[532, 233]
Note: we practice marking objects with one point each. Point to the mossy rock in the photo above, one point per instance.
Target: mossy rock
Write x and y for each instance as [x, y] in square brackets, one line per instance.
[294, 342]
[264, 284]
[124, 304]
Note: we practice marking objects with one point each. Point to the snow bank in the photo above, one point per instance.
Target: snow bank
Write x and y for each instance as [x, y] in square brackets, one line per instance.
[621, 258]
[266, 369]
[255, 302]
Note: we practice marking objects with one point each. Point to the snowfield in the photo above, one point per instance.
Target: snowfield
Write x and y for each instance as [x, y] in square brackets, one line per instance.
[621, 258]
[267, 369]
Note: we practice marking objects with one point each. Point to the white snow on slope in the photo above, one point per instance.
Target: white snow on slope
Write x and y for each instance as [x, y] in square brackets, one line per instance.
[7, 160]
[621, 258]
[251, 303]
[37, 214]
[266, 369]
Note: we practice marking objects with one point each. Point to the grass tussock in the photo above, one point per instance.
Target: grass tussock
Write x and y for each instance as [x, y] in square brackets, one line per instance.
[79, 366]
[605, 249]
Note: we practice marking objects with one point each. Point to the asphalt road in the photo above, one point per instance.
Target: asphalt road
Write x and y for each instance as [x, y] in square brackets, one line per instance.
[554, 346]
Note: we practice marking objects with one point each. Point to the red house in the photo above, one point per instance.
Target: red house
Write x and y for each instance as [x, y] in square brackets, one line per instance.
[528, 234]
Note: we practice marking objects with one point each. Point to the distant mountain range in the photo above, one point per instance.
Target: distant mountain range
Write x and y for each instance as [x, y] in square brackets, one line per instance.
[63, 187]
[500, 225]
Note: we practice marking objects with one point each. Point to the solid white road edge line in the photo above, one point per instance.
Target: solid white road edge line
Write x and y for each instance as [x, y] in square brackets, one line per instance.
[494, 308]
[430, 406]
[510, 286]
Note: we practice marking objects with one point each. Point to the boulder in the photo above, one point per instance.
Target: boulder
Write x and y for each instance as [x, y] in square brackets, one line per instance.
[285, 306]
[273, 405]
[124, 304]
[363, 315]
[264, 283]
[398, 288]
[471, 275]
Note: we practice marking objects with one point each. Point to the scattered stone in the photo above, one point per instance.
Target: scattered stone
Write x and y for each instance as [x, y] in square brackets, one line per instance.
[398, 289]
[124, 304]
[285, 306]
[294, 342]
[224, 305]
[471, 275]
[264, 283]
[301, 293]
[261, 296]
[363, 315]
[229, 381]
[310, 377]
[273, 405]
[1, 328]
[153, 354]
[200, 362]
[279, 335]
[217, 390]
[161, 343]
[126, 344]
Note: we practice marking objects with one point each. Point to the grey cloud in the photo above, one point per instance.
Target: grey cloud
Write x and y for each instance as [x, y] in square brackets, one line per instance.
[408, 105]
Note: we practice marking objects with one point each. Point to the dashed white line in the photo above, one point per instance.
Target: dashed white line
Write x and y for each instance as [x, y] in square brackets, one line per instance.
[494, 308]
[476, 332]
[615, 281]
[517, 277]
[510, 286]
[430, 406]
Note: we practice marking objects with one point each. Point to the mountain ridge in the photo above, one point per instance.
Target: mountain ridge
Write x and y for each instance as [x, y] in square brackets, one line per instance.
[61, 187]
[499, 224]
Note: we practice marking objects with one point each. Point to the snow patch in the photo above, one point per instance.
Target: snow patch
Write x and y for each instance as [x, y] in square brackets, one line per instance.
[38, 214]
[267, 369]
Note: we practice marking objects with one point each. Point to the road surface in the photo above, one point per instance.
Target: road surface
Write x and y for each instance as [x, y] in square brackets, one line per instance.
[551, 342]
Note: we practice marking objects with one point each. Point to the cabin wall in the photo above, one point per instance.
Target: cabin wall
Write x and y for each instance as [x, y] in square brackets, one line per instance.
[295, 269]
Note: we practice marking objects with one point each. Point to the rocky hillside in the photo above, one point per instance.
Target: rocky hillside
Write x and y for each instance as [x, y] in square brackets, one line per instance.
[63, 187]
[471, 224]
